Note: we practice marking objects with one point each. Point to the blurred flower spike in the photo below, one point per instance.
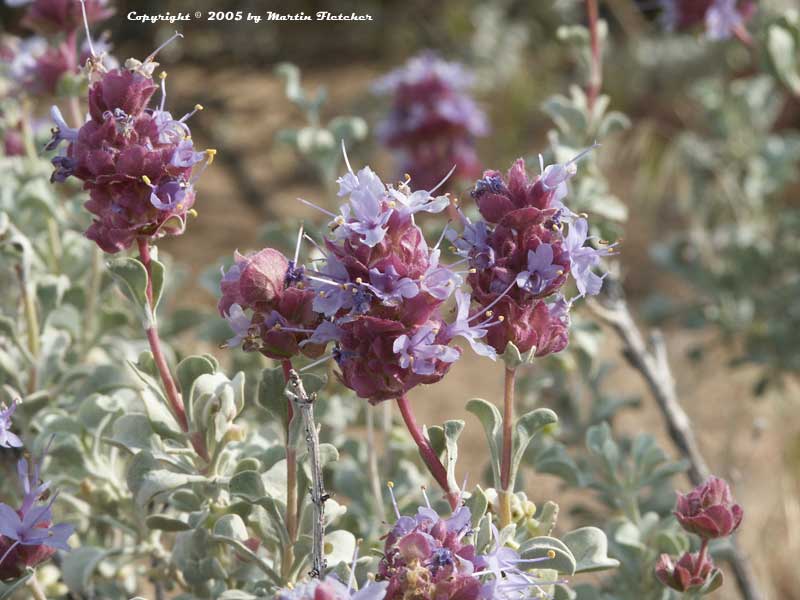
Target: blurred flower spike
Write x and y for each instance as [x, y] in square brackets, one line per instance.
[433, 122]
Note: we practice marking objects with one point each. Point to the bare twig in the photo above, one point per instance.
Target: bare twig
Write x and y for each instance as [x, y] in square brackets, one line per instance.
[305, 406]
[653, 364]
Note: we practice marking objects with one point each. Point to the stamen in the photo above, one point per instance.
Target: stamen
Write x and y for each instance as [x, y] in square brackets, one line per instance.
[316, 362]
[86, 27]
[319, 208]
[197, 108]
[390, 485]
[162, 46]
[441, 237]
[425, 495]
[346, 160]
[351, 579]
[163, 77]
[297, 245]
[583, 153]
[146, 179]
[493, 302]
[442, 182]
[316, 245]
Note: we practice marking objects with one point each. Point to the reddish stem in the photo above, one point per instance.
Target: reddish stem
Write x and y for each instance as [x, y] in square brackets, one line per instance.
[173, 395]
[428, 454]
[596, 75]
[701, 557]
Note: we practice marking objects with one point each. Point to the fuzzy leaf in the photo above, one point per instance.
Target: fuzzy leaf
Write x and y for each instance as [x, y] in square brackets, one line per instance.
[249, 485]
[131, 277]
[165, 523]
[231, 526]
[79, 565]
[491, 420]
[271, 394]
[589, 546]
[540, 547]
[527, 426]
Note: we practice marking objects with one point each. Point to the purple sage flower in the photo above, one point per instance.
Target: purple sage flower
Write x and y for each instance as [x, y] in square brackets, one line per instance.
[420, 352]
[541, 270]
[584, 258]
[472, 332]
[8, 439]
[27, 535]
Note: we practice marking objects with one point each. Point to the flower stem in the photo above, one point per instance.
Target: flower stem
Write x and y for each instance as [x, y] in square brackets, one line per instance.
[173, 395]
[426, 451]
[31, 322]
[374, 474]
[701, 559]
[505, 461]
[291, 479]
[36, 588]
[596, 74]
[95, 279]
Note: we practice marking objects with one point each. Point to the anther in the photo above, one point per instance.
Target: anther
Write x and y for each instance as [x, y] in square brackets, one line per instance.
[146, 179]
[210, 154]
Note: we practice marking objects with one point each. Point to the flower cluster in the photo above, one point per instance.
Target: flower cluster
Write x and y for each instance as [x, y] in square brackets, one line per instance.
[27, 534]
[48, 17]
[429, 558]
[709, 512]
[722, 18]
[136, 162]
[521, 256]
[377, 289]
[433, 121]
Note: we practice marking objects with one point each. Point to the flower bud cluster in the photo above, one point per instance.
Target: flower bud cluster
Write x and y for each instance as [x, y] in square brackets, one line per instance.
[433, 121]
[709, 512]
